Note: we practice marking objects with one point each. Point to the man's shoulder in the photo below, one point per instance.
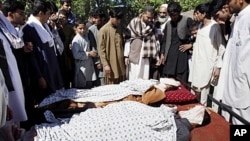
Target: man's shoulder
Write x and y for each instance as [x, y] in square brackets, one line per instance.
[215, 25]
[92, 27]
[136, 19]
[186, 18]
[72, 13]
[105, 27]
[188, 21]
[28, 28]
[77, 38]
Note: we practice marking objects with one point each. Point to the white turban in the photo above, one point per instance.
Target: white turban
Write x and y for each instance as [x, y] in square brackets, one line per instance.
[164, 5]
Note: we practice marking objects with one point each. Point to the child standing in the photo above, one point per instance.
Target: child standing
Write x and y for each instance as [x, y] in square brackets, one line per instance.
[84, 67]
[191, 41]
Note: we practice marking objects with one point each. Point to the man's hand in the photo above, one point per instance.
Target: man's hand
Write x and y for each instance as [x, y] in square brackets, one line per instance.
[9, 114]
[162, 58]
[216, 73]
[158, 63]
[99, 66]
[185, 47]
[28, 47]
[42, 83]
[126, 61]
[92, 54]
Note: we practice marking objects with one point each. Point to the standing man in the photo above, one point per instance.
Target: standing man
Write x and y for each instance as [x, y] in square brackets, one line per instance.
[208, 49]
[66, 5]
[163, 16]
[10, 41]
[99, 18]
[43, 65]
[44, 72]
[160, 24]
[110, 48]
[141, 44]
[176, 34]
[66, 33]
[14, 12]
[235, 75]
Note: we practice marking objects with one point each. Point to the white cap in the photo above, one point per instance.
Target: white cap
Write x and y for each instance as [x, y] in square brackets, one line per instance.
[164, 5]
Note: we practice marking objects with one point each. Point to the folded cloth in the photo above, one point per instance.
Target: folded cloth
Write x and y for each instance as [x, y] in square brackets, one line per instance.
[153, 95]
[170, 81]
[194, 115]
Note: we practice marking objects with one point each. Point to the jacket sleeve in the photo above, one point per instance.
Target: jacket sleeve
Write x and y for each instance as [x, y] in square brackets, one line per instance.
[102, 39]
[220, 44]
[79, 54]
[163, 41]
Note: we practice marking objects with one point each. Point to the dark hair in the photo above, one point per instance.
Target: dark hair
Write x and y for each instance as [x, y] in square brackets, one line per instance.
[12, 6]
[204, 8]
[91, 13]
[67, 1]
[116, 13]
[40, 5]
[149, 9]
[194, 26]
[78, 22]
[53, 7]
[64, 12]
[216, 5]
[174, 7]
[99, 12]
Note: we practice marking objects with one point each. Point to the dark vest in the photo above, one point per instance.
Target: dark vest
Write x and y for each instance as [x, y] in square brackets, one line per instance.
[182, 31]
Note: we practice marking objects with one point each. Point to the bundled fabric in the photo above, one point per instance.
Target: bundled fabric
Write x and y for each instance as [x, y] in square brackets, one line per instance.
[194, 115]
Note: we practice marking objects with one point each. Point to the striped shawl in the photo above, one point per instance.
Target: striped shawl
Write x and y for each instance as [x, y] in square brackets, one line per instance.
[135, 30]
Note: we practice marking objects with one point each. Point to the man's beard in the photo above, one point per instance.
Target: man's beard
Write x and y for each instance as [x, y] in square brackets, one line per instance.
[162, 19]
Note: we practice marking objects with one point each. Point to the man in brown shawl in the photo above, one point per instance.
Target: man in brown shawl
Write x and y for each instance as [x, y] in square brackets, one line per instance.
[110, 49]
[141, 45]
